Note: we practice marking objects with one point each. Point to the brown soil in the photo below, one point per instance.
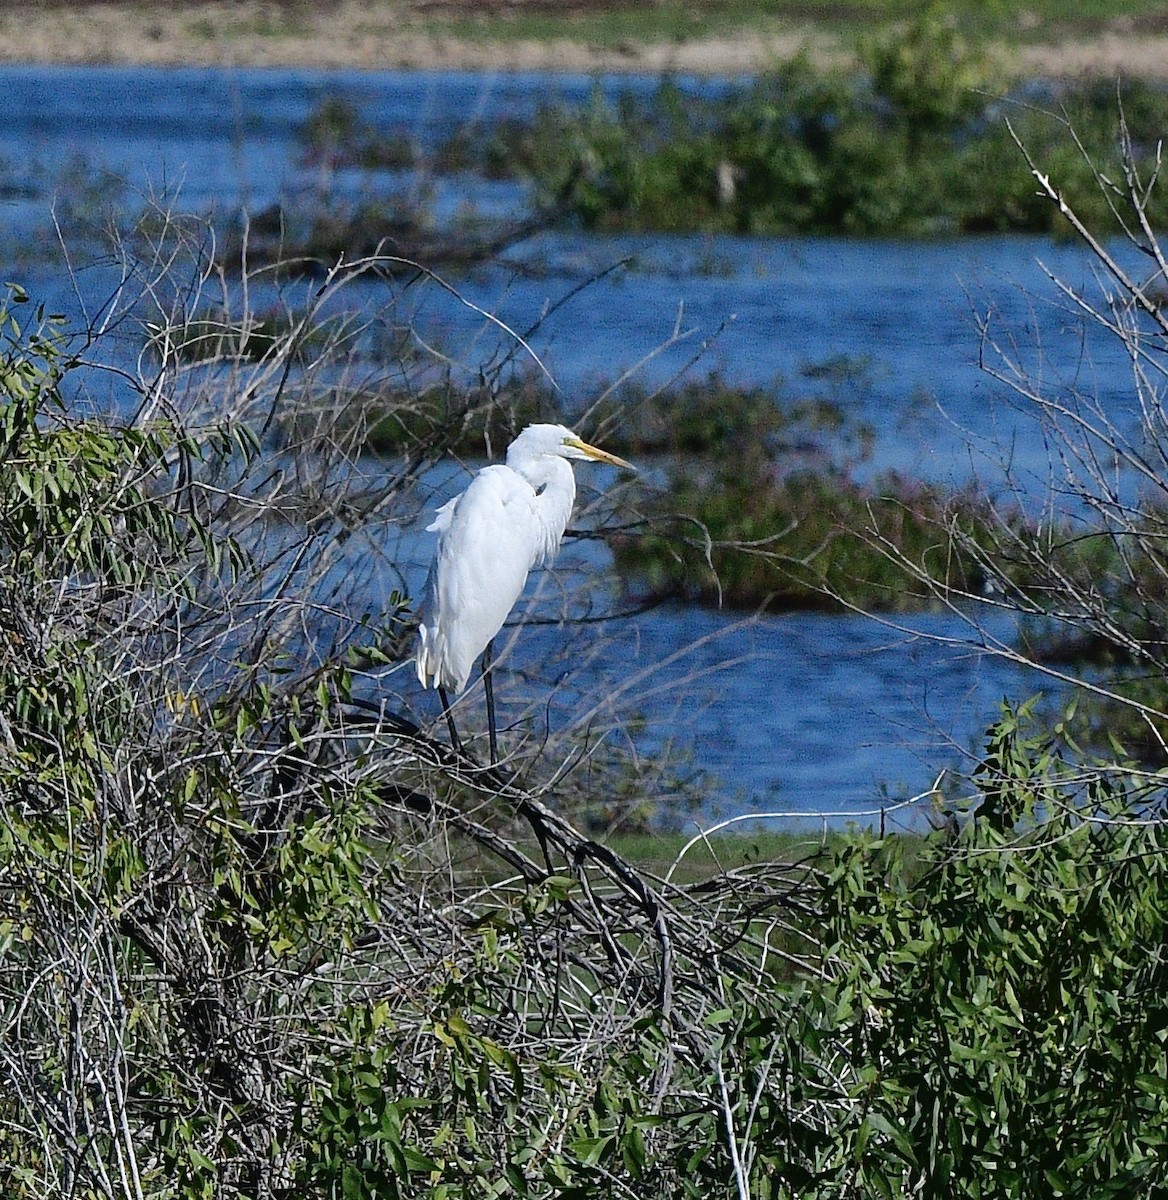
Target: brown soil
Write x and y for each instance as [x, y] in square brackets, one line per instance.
[371, 34]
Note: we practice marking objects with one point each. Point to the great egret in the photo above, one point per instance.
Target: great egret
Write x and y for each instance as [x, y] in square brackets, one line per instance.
[510, 519]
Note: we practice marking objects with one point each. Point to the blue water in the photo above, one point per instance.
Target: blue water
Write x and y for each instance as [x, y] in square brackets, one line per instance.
[815, 713]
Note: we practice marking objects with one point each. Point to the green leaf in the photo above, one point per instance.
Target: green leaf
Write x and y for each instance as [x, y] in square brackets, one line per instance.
[415, 1160]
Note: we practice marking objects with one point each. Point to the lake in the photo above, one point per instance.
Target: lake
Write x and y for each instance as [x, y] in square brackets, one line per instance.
[815, 714]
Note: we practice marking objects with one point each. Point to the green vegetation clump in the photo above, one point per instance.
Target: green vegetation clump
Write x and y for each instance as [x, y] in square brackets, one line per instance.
[1000, 1007]
[756, 503]
[714, 417]
[913, 143]
[743, 533]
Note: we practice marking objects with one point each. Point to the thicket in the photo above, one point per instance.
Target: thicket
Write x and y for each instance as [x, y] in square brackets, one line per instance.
[261, 934]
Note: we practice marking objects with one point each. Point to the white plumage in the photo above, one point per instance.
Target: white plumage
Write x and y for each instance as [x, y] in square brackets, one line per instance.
[510, 519]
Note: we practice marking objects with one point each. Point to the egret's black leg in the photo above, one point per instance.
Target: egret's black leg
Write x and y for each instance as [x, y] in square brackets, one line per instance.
[488, 687]
[455, 743]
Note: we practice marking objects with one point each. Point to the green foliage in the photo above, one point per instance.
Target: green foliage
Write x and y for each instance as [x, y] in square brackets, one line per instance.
[1002, 1011]
[756, 526]
[928, 74]
[914, 143]
[137, 835]
[482, 1119]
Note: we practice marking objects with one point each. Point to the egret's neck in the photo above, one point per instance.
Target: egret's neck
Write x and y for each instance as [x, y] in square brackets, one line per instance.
[555, 492]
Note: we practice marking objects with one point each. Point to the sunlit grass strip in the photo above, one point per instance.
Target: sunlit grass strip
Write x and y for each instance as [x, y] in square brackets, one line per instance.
[608, 24]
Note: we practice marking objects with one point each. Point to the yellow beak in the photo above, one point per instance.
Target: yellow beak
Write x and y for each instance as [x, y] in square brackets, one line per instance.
[596, 454]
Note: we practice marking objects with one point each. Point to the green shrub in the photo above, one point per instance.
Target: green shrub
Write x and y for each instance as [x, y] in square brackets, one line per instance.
[1001, 1012]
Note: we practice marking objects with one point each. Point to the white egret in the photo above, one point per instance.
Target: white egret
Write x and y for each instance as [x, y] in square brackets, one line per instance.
[510, 519]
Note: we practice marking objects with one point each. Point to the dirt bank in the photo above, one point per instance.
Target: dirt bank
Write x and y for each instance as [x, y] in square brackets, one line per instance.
[378, 34]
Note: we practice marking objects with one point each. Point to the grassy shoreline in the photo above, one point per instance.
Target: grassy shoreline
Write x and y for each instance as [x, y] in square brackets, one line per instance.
[1054, 38]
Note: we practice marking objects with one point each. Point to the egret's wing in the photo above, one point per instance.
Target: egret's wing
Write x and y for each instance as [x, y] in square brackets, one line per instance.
[488, 541]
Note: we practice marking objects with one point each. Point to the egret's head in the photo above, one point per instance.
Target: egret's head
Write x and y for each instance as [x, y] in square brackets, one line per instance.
[560, 441]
